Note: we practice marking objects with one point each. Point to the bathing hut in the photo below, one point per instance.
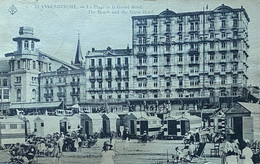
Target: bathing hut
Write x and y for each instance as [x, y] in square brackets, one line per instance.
[12, 130]
[170, 127]
[183, 126]
[91, 123]
[138, 122]
[39, 127]
[111, 123]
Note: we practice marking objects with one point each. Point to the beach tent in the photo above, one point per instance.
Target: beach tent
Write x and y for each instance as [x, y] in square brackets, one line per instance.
[91, 123]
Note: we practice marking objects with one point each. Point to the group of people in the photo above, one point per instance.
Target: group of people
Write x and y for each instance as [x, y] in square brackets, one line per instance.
[235, 152]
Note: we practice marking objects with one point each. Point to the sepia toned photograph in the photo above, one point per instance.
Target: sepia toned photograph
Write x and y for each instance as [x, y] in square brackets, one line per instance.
[129, 82]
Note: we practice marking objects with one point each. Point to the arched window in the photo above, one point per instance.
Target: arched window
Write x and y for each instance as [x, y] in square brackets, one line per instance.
[18, 95]
[32, 45]
[26, 45]
[33, 95]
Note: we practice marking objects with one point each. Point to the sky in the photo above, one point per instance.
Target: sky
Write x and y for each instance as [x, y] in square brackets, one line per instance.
[105, 23]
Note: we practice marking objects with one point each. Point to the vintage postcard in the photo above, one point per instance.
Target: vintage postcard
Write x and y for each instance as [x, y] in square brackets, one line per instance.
[129, 81]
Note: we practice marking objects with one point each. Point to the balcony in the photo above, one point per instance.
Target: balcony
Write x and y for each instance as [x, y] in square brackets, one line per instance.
[108, 67]
[211, 17]
[179, 20]
[126, 77]
[108, 78]
[141, 33]
[99, 78]
[49, 85]
[193, 51]
[118, 77]
[211, 28]
[118, 66]
[194, 63]
[48, 95]
[154, 21]
[74, 93]
[99, 67]
[126, 66]
[61, 84]
[61, 94]
[92, 67]
[141, 22]
[74, 83]
[223, 17]
[167, 21]
[92, 78]
[193, 19]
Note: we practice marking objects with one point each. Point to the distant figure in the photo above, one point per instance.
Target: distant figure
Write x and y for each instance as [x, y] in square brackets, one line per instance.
[247, 153]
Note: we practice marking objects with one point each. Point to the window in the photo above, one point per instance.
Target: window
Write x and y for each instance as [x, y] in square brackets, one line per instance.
[223, 34]
[180, 58]
[223, 80]
[234, 33]
[234, 80]
[223, 68]
[180, 47]
[211, 68]
[234, 44]
[155, 59]
[223, 44]
[109, 61]
[18, 79]
[100, 62]
[92, 85]
[155, 49]
[191, 26]
[168, 59]
[26, 45]
[211, 80]
[235, 23]
[180, 37]
[100, 85]
[168, 28]
[32, 45]
[211, 45]
[126, 61]
[180, 27]
[211, 24]
[223, 56]
[2, 126]
[126, 85]
[119, 85]
[155, 40]
[13, 126]
[155, 84]
[144, 29]
[42, 124]
[223, 24]
[5, 82]
[211, 35]
[18, 95]
[18, 64]
[168, 48]
[92, 62]
[34, 65]
[211, 57]
[6, 93]
[155, 29]
[109, 84]
[126, 73]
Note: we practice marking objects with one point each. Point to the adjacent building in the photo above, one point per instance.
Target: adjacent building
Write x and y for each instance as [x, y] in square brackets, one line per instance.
[192, 59]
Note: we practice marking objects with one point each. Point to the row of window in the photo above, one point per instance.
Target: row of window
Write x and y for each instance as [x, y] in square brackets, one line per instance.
[62, 79]
[12, 126]
[194, 26]
[109, 85]
[109, 73]
[109, 61]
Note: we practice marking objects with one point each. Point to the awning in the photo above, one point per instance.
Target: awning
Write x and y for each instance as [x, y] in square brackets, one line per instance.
[36, 105]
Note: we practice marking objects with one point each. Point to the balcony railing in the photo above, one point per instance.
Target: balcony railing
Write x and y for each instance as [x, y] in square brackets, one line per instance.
[61, 94]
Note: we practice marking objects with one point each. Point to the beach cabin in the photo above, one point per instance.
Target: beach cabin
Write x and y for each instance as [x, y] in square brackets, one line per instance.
[244, 120]
[91, 123]
[12, 130]
[170, 127]
[43, 125]
[111, 123]
[138, 122]
[183, 126]
[218, 122]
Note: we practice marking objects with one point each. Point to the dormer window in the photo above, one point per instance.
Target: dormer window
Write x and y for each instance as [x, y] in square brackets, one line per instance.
[32, 45]
[26, 45]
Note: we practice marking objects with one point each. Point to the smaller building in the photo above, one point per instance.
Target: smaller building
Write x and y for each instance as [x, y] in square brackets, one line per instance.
[138, 122]
[244, 120]
[91, 123]
[12, 130]
[111, 123]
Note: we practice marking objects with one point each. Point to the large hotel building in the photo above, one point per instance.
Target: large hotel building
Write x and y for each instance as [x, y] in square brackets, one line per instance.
[189, 60]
